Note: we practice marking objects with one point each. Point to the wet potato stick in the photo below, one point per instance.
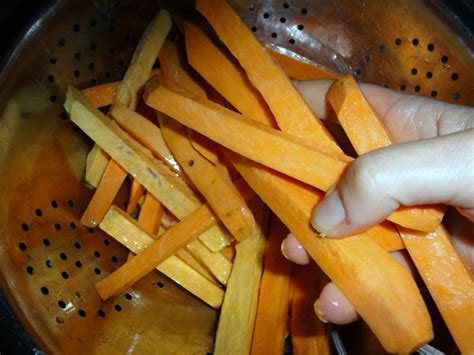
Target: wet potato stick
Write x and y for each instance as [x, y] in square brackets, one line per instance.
[112, 179]
[309, 336]
[156, 177]
[381, 290]
[136, 192]
[96, 163]
[150, 214]
[440, 266]
[291, 112]
[236, 87]
[124, 229]
[102, 95]
[236, 322]
[273, 299]
[224, 200]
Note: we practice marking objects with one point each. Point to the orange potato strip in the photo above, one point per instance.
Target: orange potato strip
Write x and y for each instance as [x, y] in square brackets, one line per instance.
[366, 133]
[186, 256]
[150, 214]
[112, 180]
[173, 68]
[309, 336]
[136, 192]
[237, 318]
[125, 230]
[236, 88]
[381, 290]
[273, 299]
[290, 110]
[146, 132]
[97, 161]
[386, 235]
[161, 249]
[156, 177]
[312, 164]
[225, 201]
[129, 90]
[102, 95]
[174, 239]
[300, 68]
[440, 266]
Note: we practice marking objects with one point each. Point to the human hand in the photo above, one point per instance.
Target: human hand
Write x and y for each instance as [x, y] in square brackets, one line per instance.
[433, 163]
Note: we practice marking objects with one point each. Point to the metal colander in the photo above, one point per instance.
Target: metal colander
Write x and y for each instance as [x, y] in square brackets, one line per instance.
[50, 262]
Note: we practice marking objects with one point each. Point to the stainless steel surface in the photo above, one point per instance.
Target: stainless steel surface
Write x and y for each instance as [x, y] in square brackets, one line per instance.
[50, 262]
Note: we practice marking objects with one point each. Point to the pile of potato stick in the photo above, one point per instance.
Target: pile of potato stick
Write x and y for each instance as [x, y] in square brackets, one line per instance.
[223, 158]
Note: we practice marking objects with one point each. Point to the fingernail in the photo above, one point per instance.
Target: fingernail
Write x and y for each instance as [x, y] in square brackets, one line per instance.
[329, 213]
[283, 249]
[319, 311]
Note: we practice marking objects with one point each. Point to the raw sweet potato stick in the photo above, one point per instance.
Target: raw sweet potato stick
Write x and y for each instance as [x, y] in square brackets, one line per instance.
[273, 299]
[439, 265]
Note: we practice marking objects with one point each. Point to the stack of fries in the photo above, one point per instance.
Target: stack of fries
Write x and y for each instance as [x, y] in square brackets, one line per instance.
[211, 142]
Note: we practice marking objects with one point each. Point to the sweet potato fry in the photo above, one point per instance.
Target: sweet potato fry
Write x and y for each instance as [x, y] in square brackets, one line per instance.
[112, 180]
[146, 132]
[156, 177]
[381, 290]
[236, 322]
[97, 161]
[136, 192]
[124, 229]
[309, 336]
[224, 200]
[439, 265]
[273, 299]
[387, 236]
[150, 214]
[102, 95]
[236, 88]
[288, 107]
[215, 262]
[129, 90]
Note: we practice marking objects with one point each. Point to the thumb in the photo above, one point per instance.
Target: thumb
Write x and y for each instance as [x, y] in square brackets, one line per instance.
[436, 170]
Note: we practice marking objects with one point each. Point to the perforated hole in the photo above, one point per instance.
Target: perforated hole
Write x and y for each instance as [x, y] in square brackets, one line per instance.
[300, 27]
[266, 15]
[415, 41]
[114, 259]
[54, 204]
[128, 296]
[101, 313]
[444, 59]
[62, 42]
[77, 245]
[50, 78]
[434, 93]
[61, 304]
[30, 270]
[118, 307]
[77, 56]
[64, 275]
[22, 246]
[44, 290]
[430, 47]
[97, 254]
[398, 41]
[286, 5]
[304, 11]
[454, 76]
[414, 71]
[403, 87]
[49, 264]
[456, 95]
[106, 242]
[381, 48]
[46, 242]
[97, 271]
[160, 284]
[63, 256]
[38, 212]
[417, 88]
[25, 227]
[58, 226]
[53, 98]
[429, 75]
[291, 41]
[82, 313]
[78, 264]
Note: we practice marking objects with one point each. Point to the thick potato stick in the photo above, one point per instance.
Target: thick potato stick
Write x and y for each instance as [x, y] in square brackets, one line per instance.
[440, 266]
[102, 95]
[129, 90]
[136, 193]
[236, 88]
[273, 299]
[236, 322]
[381, 290]
[109, 186]
[124, 229]
[290, 110]
[150, 214]
[97, 161]
[196, 265]
[157, 178]
[224, 200]
[309, 336]
[146, 132]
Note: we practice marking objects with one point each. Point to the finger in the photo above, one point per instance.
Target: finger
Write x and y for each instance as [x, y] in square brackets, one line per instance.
[406, 117]
[410, 117]
[332, 306]
[314, 93]
[437, 170]
[292, 249]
